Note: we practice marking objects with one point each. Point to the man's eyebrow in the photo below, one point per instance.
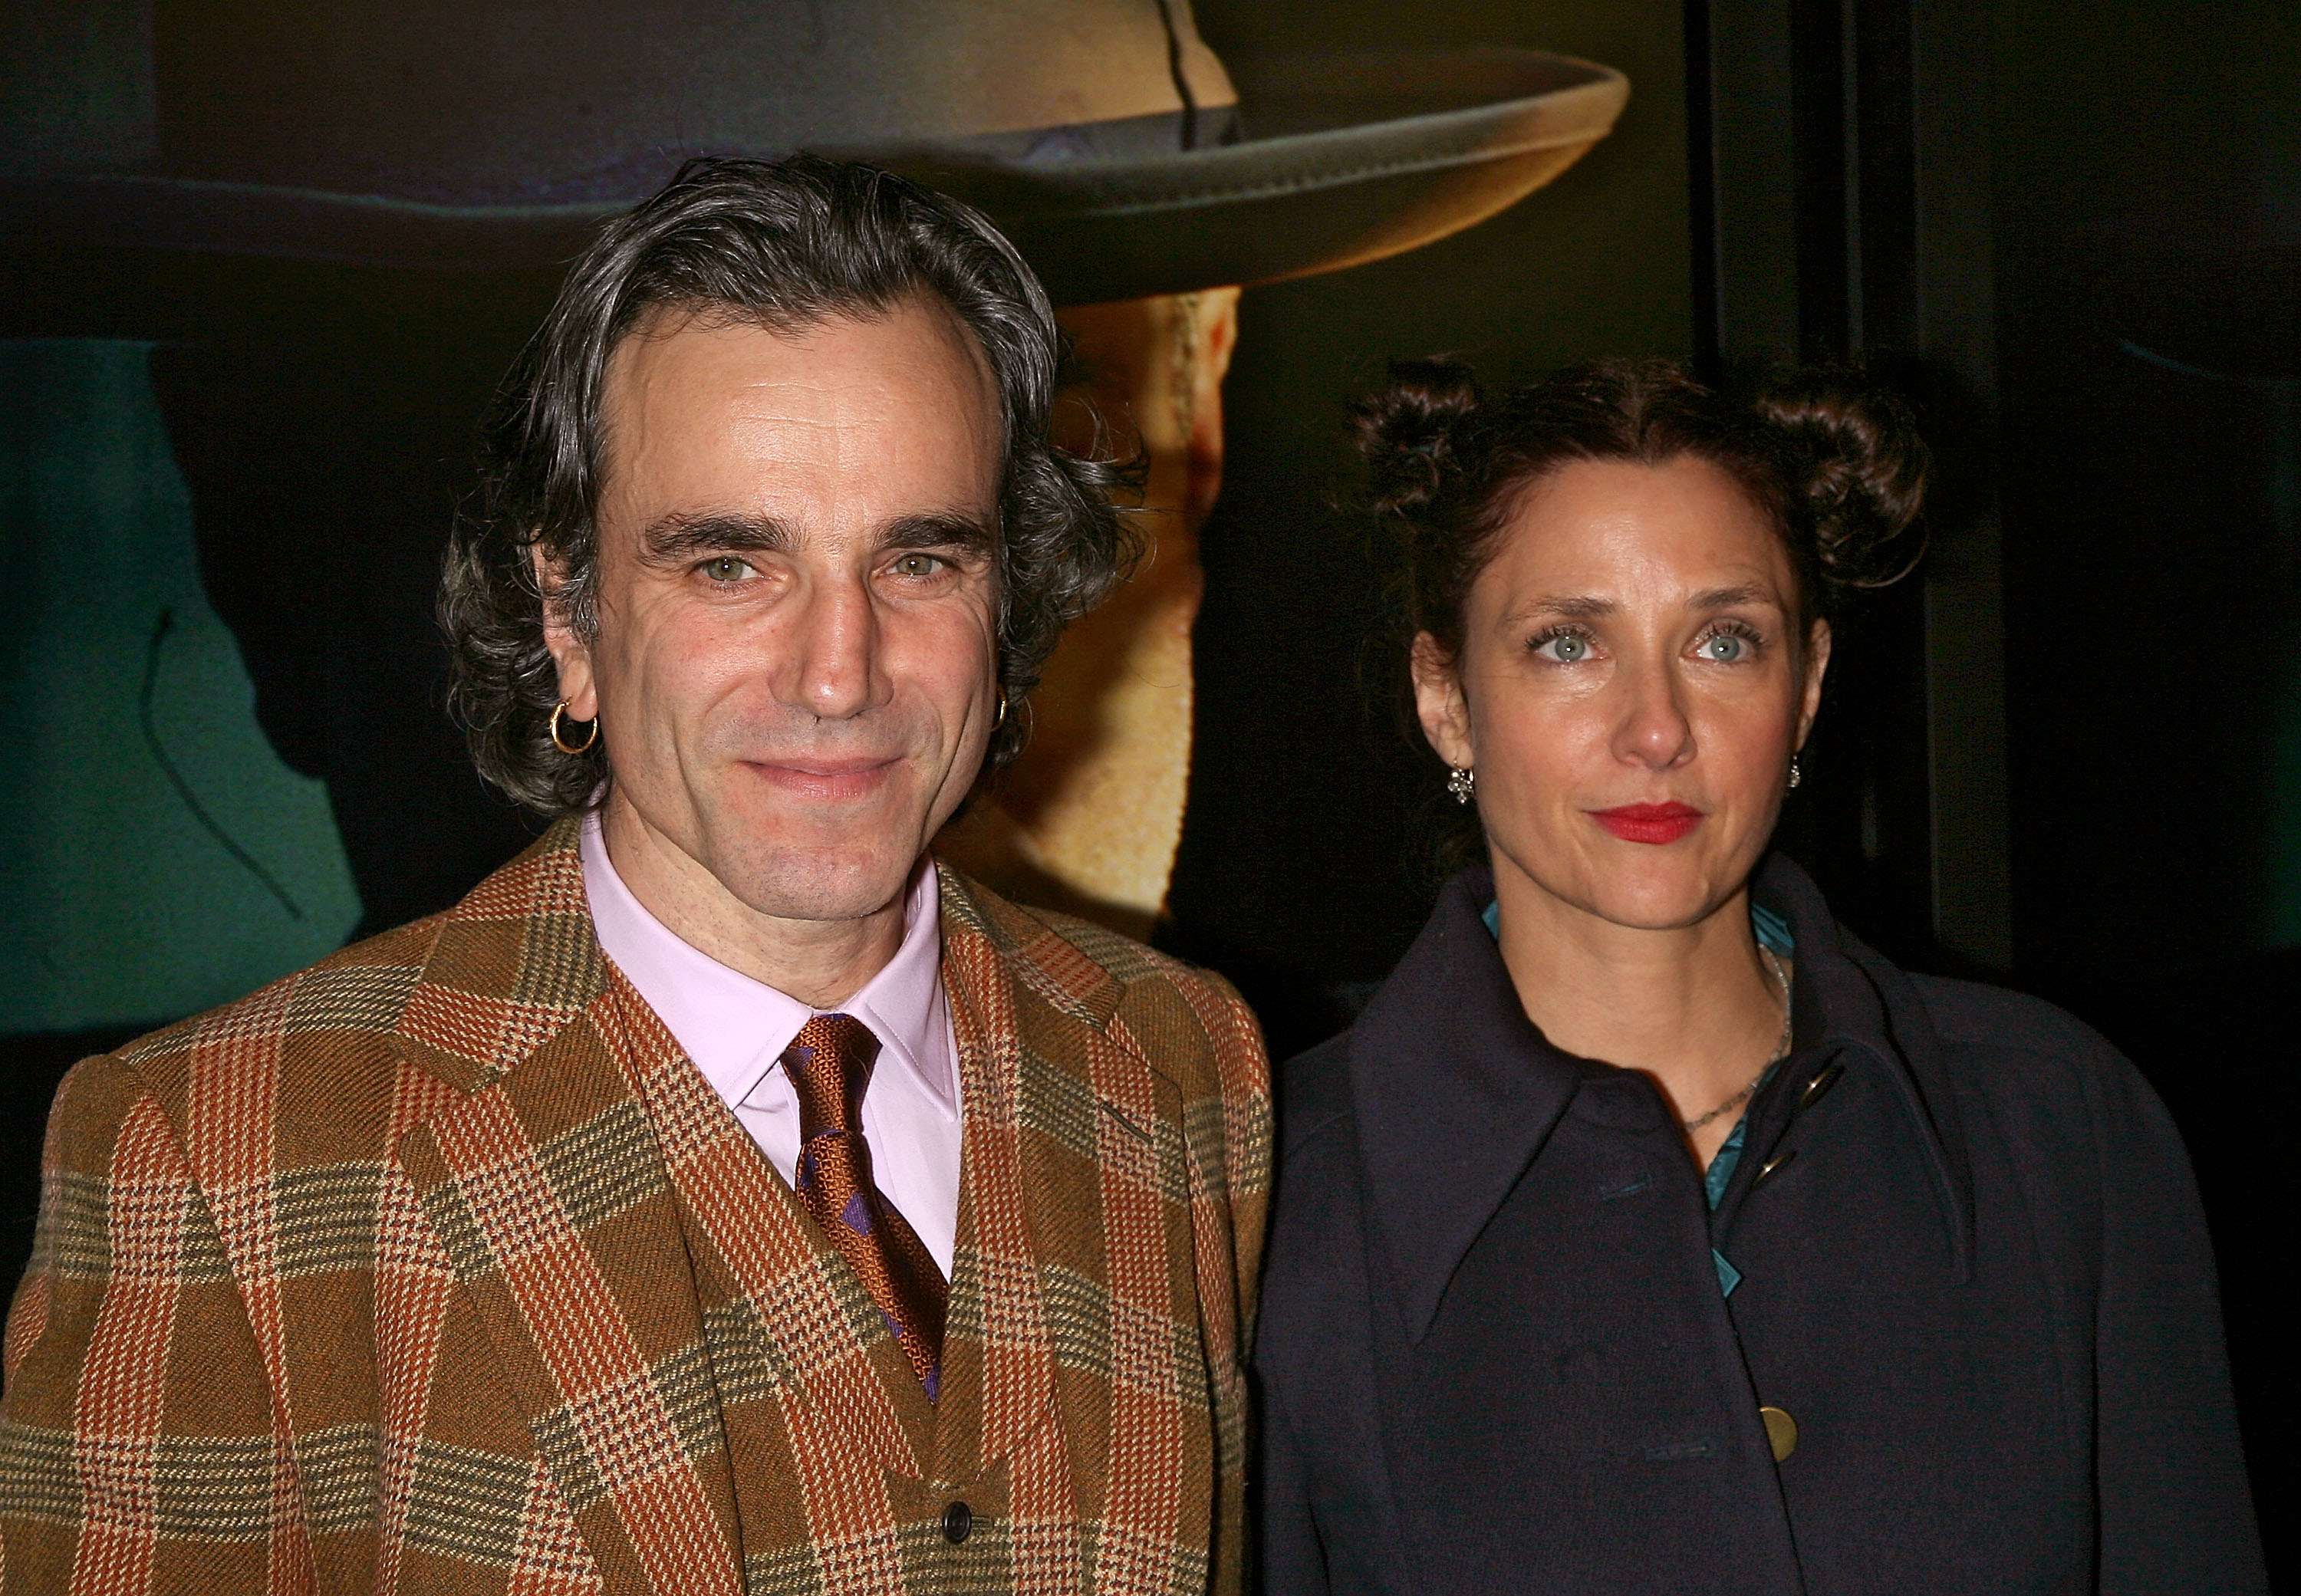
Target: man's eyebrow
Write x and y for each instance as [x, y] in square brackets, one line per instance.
[945, 530]
[681, 535]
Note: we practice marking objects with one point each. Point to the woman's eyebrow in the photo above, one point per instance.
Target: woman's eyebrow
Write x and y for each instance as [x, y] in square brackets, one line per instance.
[1574, 606]
[1727, 598]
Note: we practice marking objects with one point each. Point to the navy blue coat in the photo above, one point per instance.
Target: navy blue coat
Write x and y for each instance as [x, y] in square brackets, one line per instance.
[1494, 1357]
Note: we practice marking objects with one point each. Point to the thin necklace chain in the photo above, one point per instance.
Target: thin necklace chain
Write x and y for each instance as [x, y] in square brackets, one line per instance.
[1782, 1048]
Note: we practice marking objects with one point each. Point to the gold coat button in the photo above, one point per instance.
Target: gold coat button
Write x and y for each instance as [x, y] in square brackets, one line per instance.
[1781, 1432]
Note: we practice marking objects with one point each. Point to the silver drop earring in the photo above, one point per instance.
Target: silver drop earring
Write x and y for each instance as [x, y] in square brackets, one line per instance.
[1463, 783]
[1796, 775]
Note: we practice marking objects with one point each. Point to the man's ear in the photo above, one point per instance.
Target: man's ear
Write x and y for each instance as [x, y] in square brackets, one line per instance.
[1438, 702]
[1816, 667]
[568, 652]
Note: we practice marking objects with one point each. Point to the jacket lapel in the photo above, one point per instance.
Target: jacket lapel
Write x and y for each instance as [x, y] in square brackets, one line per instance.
[546, 1189]
[596, 1198]
[999, 1347]
[1080, 1199]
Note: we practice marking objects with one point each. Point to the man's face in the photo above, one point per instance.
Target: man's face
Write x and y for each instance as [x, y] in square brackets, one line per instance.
[795, 670]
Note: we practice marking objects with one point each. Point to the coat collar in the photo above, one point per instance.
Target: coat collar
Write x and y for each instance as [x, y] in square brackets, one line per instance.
[517, 961]
[1456, 1091]
[508, 969]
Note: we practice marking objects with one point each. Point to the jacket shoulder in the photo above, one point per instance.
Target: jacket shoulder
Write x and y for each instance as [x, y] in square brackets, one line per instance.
[2036, 1060]
[319, 1044]
[361, 989]
[1189, 1023]
[1029, 935]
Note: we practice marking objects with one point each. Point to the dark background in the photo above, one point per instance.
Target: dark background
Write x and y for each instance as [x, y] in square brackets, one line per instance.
[2067, 755]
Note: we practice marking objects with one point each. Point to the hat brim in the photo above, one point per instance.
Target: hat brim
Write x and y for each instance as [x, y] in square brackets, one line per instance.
[1348, 158]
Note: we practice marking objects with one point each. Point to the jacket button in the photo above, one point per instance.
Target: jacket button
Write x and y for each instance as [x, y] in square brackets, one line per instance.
[1781, 1432]
[958, 1520]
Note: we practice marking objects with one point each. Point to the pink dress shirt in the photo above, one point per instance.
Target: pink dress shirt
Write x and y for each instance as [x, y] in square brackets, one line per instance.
[735, 1029]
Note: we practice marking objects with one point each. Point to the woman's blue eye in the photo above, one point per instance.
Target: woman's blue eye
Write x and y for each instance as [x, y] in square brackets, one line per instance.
[1566, 650]
[1725, 647]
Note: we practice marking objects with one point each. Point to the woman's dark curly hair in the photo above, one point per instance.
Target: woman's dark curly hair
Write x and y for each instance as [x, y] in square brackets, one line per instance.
[1835, 465]
[783, 244]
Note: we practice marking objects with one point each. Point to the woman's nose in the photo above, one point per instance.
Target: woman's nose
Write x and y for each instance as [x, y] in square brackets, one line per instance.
[1654, 729]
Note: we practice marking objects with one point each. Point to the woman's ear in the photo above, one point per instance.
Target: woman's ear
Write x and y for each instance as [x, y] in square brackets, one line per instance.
[1816, 667]
[1438, 701]
[568, 653]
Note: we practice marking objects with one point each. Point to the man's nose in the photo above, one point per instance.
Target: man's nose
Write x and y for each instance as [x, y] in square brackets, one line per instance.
[1654, 729]
[835, 665]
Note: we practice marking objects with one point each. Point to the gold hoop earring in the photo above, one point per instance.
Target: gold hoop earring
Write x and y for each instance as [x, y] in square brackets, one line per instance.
[999, 719]
[561, 743]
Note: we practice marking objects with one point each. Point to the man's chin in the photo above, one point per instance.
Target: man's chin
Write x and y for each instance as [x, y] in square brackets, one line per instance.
[828, 884]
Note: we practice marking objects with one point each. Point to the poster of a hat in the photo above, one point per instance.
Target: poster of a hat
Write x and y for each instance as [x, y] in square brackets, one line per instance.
[1104, 135]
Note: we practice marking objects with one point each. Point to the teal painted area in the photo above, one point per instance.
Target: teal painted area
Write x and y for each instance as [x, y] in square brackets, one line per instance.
[78, 85]
[156, 857]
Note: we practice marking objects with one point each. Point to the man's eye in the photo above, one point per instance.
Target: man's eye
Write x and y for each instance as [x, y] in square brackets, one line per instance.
[917, 564]
[727, 568]
[1565, 647]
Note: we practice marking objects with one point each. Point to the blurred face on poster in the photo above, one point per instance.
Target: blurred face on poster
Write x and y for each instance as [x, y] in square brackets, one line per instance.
[1088, 817]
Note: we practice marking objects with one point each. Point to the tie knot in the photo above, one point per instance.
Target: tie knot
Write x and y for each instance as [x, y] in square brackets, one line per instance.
[829, 1064]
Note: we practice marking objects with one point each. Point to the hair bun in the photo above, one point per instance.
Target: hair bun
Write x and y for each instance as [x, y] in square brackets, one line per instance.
[1864, 472]
[1407, 432]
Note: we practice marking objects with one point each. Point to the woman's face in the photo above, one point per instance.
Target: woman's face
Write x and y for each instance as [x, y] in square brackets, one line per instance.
[1630, 691]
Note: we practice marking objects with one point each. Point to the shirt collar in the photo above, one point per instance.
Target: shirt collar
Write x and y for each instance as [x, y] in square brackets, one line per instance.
[735, 1028]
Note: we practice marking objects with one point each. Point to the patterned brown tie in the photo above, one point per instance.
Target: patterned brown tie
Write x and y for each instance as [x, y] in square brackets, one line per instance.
[829, 1065]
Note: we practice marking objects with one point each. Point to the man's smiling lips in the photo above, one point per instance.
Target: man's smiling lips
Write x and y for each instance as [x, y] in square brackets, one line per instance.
[1649, 822]
[822, 779]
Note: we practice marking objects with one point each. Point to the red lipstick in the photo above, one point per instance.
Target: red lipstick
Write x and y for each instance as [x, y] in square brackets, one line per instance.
[1648, 823]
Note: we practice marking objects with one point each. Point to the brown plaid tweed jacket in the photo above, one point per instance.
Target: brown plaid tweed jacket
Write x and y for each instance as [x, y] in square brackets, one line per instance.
[438, 1267]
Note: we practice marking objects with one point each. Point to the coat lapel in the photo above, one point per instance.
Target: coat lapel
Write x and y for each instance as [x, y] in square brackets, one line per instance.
[615, 1228]
[545, 1186]
[1456, 1091]
[1857, 1006]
